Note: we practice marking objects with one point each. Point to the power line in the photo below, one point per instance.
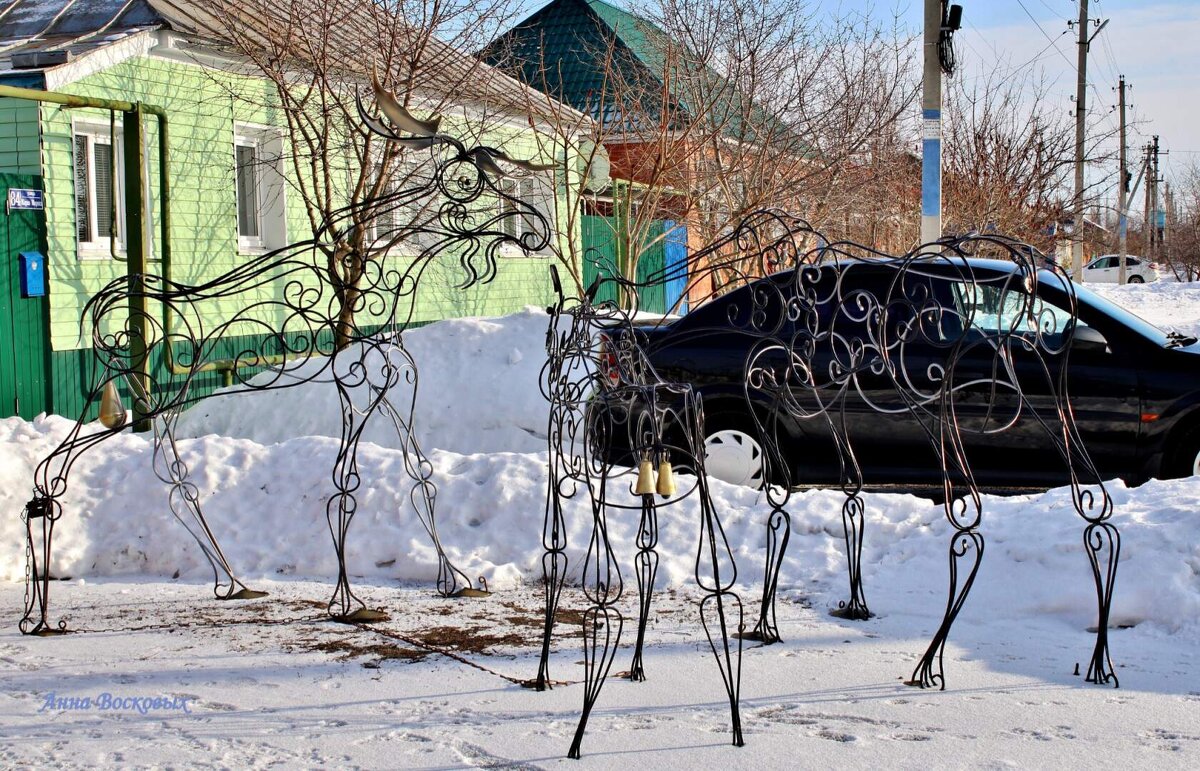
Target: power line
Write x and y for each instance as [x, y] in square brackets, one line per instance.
[1046, 34]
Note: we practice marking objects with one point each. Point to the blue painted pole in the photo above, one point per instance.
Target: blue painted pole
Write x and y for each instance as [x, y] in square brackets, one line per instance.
[931, 127]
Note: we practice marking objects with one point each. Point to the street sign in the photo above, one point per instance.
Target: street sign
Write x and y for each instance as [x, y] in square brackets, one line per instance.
[24, 198]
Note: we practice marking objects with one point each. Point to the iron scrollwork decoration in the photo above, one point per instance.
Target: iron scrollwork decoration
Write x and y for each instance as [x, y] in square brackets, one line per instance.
[940, 342]
[625, 403]
[321, 310]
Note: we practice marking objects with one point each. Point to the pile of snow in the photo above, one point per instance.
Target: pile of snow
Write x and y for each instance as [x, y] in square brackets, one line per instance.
[262, 465]
[1167, 304]
[477, 391]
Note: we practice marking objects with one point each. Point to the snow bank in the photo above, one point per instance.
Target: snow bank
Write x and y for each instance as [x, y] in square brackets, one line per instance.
[1167, 304]
[262, 465]
[267, 505]
[477, 392]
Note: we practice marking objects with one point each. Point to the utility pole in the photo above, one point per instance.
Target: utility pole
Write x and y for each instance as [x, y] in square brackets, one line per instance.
[1152, 180]
[931, 127]
[1147, 225]
[1122, 185]
[1167, 218]
[1080, 116]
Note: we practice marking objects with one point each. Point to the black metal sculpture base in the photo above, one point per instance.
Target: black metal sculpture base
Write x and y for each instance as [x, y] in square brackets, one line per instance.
[361, 616]
[245, 594]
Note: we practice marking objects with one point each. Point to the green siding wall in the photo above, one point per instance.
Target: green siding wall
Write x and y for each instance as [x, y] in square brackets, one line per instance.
[203, 233]
[20, 148]
[202, 114]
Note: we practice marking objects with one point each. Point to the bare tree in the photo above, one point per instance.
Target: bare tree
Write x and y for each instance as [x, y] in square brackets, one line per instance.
[319, 56]
[731, 106]
[1009, 156]
[1182, 233]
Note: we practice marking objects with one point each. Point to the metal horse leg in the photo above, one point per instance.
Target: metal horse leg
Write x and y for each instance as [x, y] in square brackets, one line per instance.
[44, 511]
[602, 622]
[424, 493]
[713, 606]
[185, 506]
[853, 523]
[964, 545]
[1102, 538]
[779, 528]
[344, 606]
[646, 563]
[554, 569]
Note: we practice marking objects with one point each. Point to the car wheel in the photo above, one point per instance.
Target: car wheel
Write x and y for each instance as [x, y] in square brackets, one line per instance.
[734, 456]
[1184, 459]
[1136, 279]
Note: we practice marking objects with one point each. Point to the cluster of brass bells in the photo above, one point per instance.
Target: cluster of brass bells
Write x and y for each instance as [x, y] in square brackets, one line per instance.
[646, 484]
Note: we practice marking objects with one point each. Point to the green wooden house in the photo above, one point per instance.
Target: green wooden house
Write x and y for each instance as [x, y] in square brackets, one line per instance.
[232, 192]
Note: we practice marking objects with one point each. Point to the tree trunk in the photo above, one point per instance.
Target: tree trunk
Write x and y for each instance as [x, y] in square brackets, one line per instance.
[345, 273]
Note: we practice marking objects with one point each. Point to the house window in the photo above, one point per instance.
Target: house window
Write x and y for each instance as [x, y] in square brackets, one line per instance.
[518, 196]
[408, 221]
[98, 190]
[249, 227]
[259, 189]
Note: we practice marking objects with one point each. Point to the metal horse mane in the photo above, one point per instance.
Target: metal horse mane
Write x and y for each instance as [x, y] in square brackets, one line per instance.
[292, 300]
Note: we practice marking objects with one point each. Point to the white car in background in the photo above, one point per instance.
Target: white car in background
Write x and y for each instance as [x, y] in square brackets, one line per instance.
[1106, 269]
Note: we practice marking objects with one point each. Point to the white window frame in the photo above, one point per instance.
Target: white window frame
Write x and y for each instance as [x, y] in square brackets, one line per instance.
[528, 191]
[269, 188]
[248, 243]
[99, 245]
[408, 173]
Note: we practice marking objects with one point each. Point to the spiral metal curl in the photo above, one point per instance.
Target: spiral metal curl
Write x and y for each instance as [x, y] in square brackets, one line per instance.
[330, 308]
[926, 338]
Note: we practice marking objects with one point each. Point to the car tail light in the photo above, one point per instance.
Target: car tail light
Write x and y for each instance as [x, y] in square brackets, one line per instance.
[607, 361]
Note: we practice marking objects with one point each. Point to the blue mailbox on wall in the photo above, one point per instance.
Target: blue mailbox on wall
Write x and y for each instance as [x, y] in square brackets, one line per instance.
[33, 274]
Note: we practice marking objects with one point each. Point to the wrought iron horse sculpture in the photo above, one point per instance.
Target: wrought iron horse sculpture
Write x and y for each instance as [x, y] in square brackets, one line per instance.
[311, 325]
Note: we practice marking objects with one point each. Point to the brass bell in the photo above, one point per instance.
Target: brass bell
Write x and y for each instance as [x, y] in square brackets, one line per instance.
[645, 480]
[112, 411]
[666, 479]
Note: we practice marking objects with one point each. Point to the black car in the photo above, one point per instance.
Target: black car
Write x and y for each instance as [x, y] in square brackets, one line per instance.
[1132, 391]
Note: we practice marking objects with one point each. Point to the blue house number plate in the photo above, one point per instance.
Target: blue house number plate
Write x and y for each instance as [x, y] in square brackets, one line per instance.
[24, 198]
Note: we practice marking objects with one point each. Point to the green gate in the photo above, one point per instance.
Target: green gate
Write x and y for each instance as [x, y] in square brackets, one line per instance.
[24, 321]
[602, 254]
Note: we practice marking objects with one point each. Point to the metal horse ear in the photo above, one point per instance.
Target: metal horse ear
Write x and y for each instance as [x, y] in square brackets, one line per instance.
[425, 134]
[390, 106]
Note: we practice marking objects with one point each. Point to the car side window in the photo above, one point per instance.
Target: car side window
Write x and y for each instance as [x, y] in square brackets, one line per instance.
[999, 308]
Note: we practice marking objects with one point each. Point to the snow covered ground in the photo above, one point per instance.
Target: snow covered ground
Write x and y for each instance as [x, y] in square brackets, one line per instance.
[273, 683]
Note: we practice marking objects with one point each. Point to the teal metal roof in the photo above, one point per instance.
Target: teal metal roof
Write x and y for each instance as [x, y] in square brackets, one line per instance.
[561, 49]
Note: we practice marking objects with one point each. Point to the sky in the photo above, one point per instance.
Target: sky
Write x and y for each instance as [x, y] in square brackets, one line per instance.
[1154, 44]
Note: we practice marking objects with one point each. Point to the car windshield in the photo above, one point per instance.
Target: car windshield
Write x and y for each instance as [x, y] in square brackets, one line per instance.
[1112, 310]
